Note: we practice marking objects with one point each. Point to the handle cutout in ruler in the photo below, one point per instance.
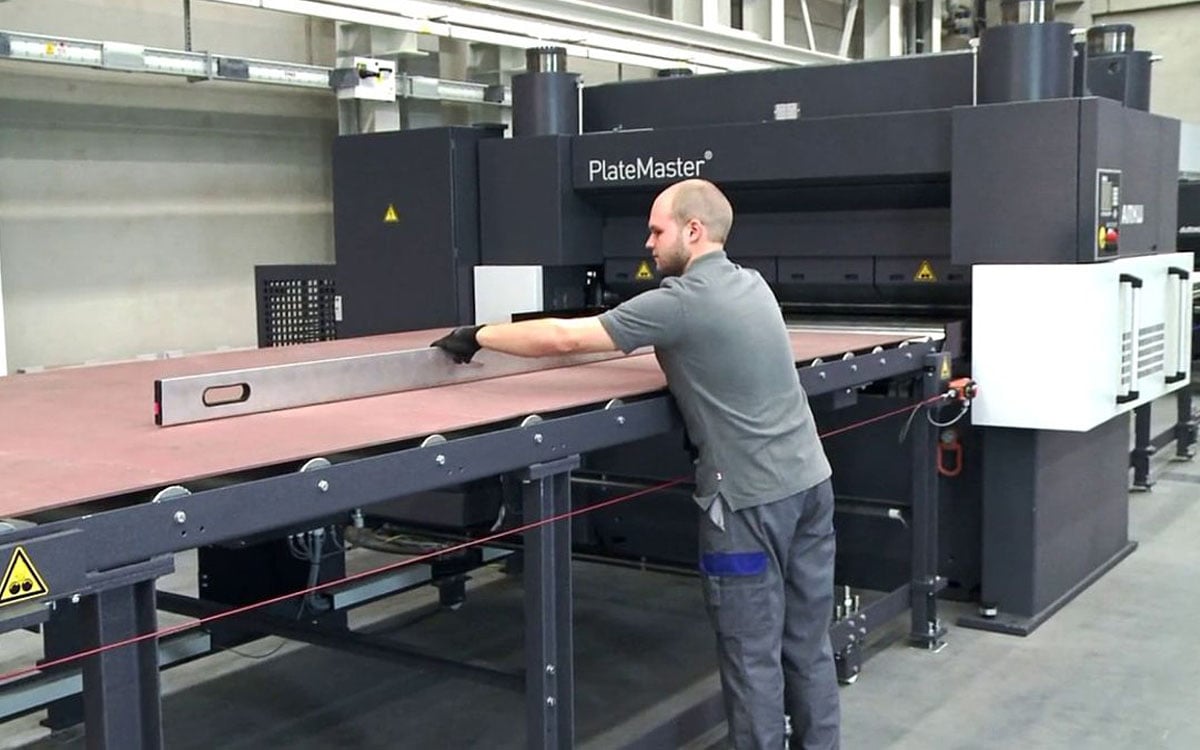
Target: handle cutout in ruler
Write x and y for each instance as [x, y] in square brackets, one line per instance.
[224, 395]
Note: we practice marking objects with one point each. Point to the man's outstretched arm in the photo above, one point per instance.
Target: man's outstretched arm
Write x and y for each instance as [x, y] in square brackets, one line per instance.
[531, 338]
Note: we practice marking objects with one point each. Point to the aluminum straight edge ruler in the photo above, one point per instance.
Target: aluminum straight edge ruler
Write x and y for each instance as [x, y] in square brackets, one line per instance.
[196, 398]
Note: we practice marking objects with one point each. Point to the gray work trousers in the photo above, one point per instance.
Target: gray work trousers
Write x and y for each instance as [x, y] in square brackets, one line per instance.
[768, 584]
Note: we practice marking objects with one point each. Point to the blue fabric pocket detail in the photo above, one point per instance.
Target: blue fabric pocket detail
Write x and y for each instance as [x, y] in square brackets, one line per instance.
[734, 563]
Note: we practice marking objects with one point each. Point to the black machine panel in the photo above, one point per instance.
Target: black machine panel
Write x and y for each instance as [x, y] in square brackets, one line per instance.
[901, 147]
[895, 85]
[531, 214]
[1144, 149]
[1025, 187]
[1189, 217]
[406, 207]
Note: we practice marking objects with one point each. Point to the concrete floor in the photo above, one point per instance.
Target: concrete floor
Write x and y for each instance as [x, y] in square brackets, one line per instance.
[1119, 667]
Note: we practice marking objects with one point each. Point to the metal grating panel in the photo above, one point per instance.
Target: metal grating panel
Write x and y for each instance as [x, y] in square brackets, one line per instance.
[296, 304]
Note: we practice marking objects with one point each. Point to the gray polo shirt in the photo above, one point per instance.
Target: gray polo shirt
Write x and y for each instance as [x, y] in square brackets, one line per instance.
[719, 337]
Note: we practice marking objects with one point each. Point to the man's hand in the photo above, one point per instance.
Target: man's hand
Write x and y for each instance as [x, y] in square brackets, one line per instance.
[461, 343]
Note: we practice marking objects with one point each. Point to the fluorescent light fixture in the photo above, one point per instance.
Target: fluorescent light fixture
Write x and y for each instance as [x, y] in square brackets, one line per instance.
[71, 51]
[162, 61]
[135, 58]
[296, 75]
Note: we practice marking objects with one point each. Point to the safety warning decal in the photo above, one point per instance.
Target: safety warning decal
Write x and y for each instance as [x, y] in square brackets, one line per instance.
[945, 373]
[925, 272]
[643, 272]
[391, 217]
[21, 580]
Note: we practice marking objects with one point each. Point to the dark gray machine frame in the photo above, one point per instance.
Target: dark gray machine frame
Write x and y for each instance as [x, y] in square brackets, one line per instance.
[895, 178]
[1183, 433]
[106, 562]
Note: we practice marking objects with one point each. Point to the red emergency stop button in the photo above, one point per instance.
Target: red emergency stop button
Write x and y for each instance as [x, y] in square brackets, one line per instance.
[1110, 237]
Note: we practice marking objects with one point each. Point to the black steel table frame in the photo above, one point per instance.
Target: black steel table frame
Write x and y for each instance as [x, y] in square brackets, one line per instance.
[1145, 445]
[848, 636]
[106, 563]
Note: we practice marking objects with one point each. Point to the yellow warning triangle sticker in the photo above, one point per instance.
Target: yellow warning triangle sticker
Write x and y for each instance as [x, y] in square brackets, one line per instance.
[391, 217]
[643, 272]
[925, 272]
[21, 580]
[945, 373]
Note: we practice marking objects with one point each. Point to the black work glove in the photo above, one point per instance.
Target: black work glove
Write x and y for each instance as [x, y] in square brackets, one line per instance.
[461, 343]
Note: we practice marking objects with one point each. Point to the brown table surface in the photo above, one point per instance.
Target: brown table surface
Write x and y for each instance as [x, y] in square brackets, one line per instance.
[78, 434]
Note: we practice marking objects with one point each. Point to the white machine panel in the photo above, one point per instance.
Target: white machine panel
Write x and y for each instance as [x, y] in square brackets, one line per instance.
[1068, 347]
[501, 291]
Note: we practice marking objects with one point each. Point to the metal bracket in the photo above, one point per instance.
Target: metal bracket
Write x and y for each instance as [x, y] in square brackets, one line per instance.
[929, 585]
[58, 559]
[550, 468]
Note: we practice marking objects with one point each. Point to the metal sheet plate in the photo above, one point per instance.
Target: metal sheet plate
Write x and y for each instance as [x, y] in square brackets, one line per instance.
[80, 434]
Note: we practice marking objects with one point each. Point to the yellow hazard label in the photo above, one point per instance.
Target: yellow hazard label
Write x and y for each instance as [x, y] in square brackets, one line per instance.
[390, 216]
[21, 580]
[945, 373]
[925, 272]
[643, 272]
[1102, 237]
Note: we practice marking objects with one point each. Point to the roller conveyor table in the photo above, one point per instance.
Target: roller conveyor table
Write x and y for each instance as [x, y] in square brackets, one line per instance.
[82, 455]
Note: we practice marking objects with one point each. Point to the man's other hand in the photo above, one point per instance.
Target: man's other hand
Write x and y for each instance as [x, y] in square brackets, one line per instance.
[461, 343]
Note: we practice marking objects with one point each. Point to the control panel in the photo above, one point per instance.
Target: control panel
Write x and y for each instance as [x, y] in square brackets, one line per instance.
[1108, 213]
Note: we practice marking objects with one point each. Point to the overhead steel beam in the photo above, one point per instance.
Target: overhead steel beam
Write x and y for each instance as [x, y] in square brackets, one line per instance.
[724, 40]
[848, 28]
[586, 29]
[808, 29]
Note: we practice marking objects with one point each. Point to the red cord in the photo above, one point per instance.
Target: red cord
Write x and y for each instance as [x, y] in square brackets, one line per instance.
[4, 678]
[879, 417]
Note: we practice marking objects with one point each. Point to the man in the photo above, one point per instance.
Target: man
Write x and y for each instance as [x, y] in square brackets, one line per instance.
[762, 478]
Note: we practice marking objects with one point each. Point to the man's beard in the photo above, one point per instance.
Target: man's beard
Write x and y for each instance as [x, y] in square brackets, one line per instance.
[674, 260]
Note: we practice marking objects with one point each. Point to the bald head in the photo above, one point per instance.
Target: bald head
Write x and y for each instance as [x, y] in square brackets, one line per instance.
[688, 219]
[703, 201]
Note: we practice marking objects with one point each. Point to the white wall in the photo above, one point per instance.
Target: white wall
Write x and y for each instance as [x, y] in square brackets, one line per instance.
[3, 346]
[1171, 32]
[133, 208]
[1164, 27]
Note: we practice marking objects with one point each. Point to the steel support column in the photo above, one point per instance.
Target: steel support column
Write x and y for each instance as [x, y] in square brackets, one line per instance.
[1185, 424]
[927, 630]
[121, 703]
[549, 659]
[1143, 448]
[61, 637]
